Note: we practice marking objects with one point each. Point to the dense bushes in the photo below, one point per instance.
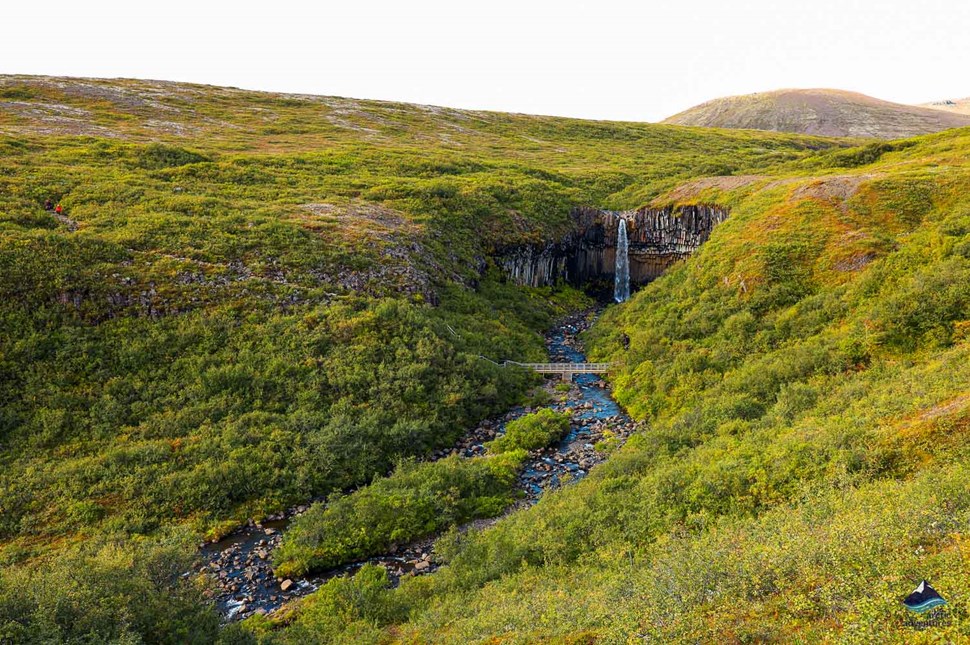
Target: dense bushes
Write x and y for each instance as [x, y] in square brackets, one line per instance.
[803, 461]
[838, 562]
[344, 610]
[226, 416]
[864, 155]
[158, 155]
[415, 501]
[117, 591]
[215, 335]
[925, 305]
[532, 431]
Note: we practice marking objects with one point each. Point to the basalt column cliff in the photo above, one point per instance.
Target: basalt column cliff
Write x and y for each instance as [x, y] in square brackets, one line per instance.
[587, 257]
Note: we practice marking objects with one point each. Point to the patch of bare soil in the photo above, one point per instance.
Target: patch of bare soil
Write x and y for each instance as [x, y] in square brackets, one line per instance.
[943, 409]
[838, 188]
[373, 219]
[690, 190]
[67, 221]
[854, 263]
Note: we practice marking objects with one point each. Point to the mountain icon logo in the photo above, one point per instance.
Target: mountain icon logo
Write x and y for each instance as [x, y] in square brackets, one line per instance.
[923, 598]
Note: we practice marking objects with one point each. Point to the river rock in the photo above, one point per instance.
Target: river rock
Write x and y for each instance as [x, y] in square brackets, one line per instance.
[545, 469]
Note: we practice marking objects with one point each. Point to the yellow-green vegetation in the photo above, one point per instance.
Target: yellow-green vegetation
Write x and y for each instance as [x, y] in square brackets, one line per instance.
[416, 500]
[235, 312]
[110, 590]
[531, 431]
[804, 381]
[255, 299]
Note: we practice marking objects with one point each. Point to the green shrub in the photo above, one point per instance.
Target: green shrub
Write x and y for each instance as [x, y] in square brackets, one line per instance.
[537, 398]
[156, 156]
[345, 609]
[925, 305]
[863, 155]
[532, 431]
[416, 500]
[17, 93]
[119, 591]
[231, 414]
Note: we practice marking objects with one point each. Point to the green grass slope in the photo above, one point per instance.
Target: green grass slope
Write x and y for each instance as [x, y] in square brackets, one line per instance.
[254, 299]
[805, 384]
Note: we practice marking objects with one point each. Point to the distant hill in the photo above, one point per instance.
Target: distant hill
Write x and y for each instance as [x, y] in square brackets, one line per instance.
[823, 112]
[959, 106]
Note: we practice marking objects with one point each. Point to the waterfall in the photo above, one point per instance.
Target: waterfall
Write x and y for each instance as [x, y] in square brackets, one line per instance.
[621, 282]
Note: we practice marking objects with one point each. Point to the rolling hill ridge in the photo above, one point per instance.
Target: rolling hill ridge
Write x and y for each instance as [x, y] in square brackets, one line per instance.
[959, 106]
[824, 112]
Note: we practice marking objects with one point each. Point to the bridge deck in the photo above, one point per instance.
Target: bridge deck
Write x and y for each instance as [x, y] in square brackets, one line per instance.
[564, 368]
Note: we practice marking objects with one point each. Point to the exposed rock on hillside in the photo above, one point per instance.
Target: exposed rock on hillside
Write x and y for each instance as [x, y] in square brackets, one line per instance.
[658, 237]
[958, 106]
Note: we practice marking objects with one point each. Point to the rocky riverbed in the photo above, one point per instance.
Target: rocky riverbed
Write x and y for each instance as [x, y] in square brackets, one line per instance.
[241, 563]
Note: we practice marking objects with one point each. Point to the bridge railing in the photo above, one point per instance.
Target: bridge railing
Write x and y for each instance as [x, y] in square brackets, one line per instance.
[558, 368]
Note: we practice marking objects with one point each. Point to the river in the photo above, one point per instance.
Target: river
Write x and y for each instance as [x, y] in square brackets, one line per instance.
[240, 563]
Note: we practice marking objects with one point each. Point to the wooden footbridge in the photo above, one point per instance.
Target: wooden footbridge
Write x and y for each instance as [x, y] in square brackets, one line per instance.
[565, 369]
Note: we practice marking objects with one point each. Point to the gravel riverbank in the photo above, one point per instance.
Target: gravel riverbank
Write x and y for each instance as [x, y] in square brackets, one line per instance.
[241, 563]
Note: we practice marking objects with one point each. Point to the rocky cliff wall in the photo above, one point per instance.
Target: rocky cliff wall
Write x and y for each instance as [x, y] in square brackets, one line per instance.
[587, 256]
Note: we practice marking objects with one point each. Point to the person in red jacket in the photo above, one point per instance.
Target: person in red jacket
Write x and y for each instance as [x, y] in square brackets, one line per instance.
[59, 210]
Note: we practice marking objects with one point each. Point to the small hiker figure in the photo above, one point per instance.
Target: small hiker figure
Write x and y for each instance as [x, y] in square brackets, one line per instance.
[59, 210]
[48, 205]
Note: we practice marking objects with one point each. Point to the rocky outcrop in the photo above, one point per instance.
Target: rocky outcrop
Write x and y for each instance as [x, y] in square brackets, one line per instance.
[587, 256]
[537, 265]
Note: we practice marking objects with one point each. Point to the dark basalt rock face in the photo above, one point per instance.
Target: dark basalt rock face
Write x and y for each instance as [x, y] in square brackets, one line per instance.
[587, 257]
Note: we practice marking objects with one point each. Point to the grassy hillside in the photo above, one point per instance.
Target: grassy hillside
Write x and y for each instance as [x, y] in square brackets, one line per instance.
[255, 299]
[805, 381]
[252, 300]
[833, 113]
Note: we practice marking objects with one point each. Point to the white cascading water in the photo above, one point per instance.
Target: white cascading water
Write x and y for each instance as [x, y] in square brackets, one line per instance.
[621, 282]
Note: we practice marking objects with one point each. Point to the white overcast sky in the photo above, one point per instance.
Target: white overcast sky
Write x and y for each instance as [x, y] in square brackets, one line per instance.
[602, 59]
